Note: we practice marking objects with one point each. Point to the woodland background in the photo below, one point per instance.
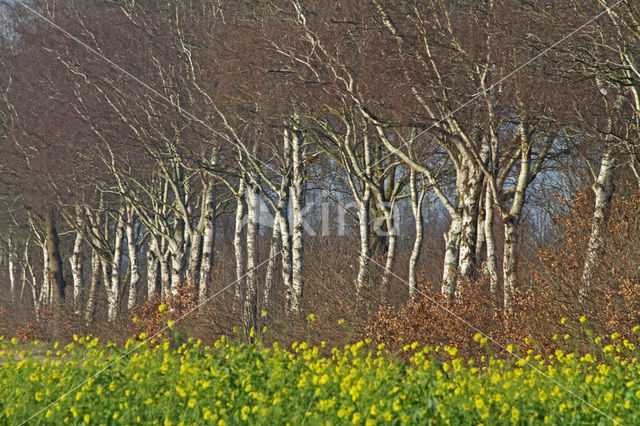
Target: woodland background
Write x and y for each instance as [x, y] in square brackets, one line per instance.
[401, 165]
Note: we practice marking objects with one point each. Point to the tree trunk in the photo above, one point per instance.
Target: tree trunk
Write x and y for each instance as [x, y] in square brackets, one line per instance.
[56, 278]
[392, 238]
[206, 252]
[177, 259]
[452, 244]
[297, 234]
[603, 190]
[134, 279]
[365, 244]
[250, 308]
[11, 264]
[55, 261]
[416, 207]
[152, 268]
[195, 258]
[45, 292]
[76, 272]
[271, 265]
[469, 189]
[237, 241]
[96, 265]
[286, 257]
[512, 219]
[509, 261]
[165, 274]
[208, 241]
[113, 288]
[490, 266]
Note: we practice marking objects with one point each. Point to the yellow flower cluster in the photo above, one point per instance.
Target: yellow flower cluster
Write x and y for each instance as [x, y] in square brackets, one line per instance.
[361, 383]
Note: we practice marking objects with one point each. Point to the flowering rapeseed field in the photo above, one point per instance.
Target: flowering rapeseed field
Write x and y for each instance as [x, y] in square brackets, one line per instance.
[230, 383]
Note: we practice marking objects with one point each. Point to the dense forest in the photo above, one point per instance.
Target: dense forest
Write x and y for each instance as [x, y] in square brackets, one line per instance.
[425, 169]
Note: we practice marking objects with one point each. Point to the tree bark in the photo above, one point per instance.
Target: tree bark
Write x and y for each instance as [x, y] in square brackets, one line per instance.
[250, 308]
[271, 265]
[165, 274]
[55, 261]
[134, 280]
[45, 292]
[490, 266]
[11, 265]
[76, 272]
[90, 306]
[297, 234]
[452, 245]
[392, 239]
[469, 188]
[208, 241]
[365, 243]
[237, 240]
[113, 287]
[603, 191]
[152, 268]
[416, 207]
[512, 218]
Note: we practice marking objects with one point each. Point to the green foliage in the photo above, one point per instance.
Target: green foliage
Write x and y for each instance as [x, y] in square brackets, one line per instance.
[230, 382]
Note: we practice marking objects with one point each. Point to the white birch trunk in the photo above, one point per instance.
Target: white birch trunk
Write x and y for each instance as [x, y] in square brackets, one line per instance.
[113, 288]
[195, 257]
[416, 207]
[469, 190]
[134, 280]
[603, 190]
[176, 270]
[392, 238]
[90, 305]
[11, 264]
[271, 265]
[286, 256]
[297, 234]
[208, 241]
[512, 219]
[45, 292]
[250, 308]
[76, 271]
[480, 236]
[452, 244]
[490, 266]
[165, 274]
[152, 268]
[365, 244]
[237, 240]
[509, 262]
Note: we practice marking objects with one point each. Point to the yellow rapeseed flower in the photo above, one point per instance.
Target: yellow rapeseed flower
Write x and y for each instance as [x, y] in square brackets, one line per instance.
[583, 319]
[162, 308]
